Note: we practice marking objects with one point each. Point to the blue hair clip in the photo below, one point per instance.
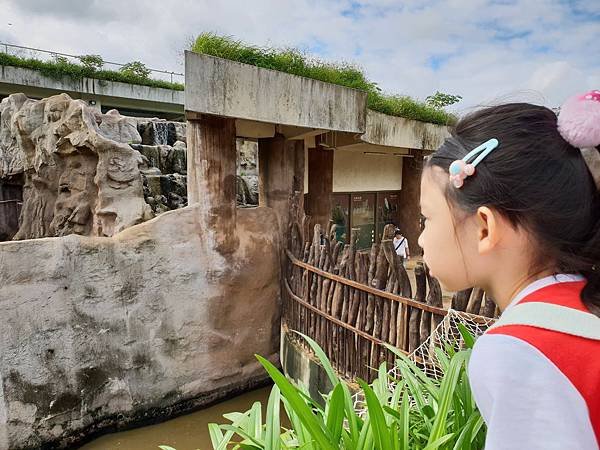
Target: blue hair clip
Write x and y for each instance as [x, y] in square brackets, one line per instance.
[462, 168]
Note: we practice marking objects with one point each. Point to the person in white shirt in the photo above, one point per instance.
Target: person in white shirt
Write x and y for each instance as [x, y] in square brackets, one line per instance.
[401, 245]
[511, 203]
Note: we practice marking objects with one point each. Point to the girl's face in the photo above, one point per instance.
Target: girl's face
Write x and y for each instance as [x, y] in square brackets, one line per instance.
[448, 246]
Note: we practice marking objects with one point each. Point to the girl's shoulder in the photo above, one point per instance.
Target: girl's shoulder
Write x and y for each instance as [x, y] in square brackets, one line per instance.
[513, 381]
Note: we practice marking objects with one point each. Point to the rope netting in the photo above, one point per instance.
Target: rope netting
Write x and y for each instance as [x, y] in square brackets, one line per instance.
[444, 337]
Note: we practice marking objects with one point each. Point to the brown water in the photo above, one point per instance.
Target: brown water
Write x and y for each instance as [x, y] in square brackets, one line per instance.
[189, 432]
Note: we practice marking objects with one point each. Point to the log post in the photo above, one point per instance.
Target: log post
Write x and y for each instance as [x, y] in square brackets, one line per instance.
[280, 177]
[474, 305]
[211, 177]
[414, 322]
[320, 185]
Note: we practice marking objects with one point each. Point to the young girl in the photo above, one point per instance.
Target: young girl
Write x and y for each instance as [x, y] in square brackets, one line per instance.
[511, 204]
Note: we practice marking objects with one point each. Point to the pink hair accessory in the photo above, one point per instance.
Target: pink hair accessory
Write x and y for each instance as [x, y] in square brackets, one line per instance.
[579, 124]
[463, 168]
[579, 120]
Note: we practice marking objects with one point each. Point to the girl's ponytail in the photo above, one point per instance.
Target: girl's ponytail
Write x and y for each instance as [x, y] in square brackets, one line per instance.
[579, 124]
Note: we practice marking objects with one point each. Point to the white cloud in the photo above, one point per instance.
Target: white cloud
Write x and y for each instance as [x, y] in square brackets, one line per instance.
[480, 49]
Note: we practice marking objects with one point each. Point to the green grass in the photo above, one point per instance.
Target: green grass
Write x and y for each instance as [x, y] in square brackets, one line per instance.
[58, 70]
[345, 74]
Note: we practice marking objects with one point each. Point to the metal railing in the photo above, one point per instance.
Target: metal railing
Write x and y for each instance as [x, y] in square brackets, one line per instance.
[18, 50]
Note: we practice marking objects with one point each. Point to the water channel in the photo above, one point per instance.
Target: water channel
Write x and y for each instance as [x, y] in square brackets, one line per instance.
[188, 432]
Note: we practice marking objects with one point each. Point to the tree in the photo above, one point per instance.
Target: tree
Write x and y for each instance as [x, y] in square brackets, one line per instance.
[59, 59]
[441, 100]
[92, 62]
[136, 68]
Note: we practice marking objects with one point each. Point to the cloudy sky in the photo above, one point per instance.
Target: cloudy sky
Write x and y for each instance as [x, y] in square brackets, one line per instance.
[484, 50]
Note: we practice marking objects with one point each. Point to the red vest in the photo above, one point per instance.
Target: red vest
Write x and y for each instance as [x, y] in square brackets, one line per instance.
[576, 357]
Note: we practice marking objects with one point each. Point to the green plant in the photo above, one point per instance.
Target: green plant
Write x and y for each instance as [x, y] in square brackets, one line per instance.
[62, 68]
[135, 68]
[441, 100]
[345, 74]
[59, 59]
[92, 62]
[418, 413]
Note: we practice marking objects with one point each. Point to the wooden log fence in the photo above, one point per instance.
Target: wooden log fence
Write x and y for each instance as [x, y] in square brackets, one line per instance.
[354, 302]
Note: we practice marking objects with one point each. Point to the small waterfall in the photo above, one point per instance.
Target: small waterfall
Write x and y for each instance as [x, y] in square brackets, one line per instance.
[160, 133]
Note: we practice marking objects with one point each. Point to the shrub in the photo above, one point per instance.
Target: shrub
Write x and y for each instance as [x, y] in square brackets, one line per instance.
[92, 62]
[136, 69]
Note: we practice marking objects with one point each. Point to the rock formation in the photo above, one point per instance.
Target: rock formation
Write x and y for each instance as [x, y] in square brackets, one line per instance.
[66, 168]
[80, 175]
[119, 320]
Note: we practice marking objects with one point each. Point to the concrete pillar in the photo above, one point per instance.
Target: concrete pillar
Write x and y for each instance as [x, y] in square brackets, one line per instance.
[320, 185]
[281, 179]
[410, 212]
[211, 176]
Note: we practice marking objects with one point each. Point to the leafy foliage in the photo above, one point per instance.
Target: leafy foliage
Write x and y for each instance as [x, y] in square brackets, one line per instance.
[61, 67]
[345, 74]
[441, 100]
[418, 413]
[136, 69]
[92, 62]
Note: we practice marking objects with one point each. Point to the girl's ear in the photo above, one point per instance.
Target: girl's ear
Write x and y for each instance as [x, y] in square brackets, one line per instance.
[489, 225]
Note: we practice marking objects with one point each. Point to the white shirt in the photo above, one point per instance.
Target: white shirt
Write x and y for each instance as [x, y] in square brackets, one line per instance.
[525, 400]
[401, 249]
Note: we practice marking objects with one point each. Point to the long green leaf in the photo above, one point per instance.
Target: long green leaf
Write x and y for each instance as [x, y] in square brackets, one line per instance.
[322, 357]
[272, 434]
[305, 415]
[378, 422]
[467, 337]
[435, 445]
[335, 416]
[334, 379]
[446, 393]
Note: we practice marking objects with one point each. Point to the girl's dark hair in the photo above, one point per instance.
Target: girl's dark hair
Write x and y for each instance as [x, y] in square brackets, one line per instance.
[536, 180]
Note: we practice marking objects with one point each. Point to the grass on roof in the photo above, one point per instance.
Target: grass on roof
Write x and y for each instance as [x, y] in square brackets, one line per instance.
[58, 70]
[344, 74]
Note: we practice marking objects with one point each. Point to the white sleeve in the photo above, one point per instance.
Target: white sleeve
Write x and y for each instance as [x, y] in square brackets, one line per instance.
[525, 400]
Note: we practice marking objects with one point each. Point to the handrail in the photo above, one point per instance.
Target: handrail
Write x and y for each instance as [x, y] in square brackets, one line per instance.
[368, 289]
[5, 45]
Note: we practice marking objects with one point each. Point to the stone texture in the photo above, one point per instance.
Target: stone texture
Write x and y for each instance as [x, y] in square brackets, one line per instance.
[80, 176]
[119, 128]
[116, 330]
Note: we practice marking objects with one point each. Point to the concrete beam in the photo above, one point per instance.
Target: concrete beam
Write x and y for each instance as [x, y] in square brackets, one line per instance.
[392, 131]
[231, 89]
[110, 94]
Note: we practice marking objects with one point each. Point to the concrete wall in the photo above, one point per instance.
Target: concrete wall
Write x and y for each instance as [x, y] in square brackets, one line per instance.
[231, 89]
[110, 94]
[113, 331]
[355, 171]
[382, 129]
[302, 367]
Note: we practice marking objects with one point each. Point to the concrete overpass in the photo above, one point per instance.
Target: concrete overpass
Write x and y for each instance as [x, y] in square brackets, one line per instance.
[129, 99]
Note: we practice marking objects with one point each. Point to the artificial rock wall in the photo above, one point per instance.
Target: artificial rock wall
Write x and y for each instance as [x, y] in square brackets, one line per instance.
[114, 330]
[66, 168]
[120, 317]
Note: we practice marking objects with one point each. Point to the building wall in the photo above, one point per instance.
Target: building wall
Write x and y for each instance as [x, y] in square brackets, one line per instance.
[355, 171]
